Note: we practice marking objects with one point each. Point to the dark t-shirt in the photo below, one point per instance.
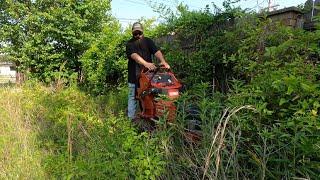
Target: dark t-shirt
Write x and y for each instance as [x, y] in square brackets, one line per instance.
[145, 48]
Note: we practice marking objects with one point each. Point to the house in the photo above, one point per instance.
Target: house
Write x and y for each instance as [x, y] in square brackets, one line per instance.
[8, 72]
[291, 16]
[295, 17]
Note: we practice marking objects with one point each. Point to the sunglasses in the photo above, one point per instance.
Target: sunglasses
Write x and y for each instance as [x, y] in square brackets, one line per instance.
[137, 33]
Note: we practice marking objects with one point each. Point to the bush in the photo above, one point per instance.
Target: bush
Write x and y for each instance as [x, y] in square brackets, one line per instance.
[269, 128]
[104, 63]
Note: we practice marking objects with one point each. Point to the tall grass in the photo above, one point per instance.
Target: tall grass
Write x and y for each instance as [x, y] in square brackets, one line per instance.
[241, 143]
[20, 155]
[63, 133]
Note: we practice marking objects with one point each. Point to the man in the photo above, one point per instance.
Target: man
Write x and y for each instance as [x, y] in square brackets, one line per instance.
[139, 50]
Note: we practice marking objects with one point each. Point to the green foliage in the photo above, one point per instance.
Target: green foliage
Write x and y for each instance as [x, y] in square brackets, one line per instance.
[80, 139]
[283, 86]
[104, 63]
[201, 42]
[44, 35]
[282, 136]
[266, 126]
[270, 126]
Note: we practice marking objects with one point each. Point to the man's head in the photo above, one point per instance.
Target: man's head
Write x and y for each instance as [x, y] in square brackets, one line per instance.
[137, 30]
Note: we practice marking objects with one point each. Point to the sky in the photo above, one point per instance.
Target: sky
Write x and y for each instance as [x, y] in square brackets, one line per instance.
[129, 11]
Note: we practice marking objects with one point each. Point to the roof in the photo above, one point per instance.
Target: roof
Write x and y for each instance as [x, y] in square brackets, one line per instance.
[3, 63]
[284, 10]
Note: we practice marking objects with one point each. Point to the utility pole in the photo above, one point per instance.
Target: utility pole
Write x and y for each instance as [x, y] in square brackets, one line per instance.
[312, 12]
[270, 5]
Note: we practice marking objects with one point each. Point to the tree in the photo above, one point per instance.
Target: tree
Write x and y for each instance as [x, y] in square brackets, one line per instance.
[47, 36]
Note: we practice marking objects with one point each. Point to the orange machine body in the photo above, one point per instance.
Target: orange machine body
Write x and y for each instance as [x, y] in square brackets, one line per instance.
[154, 84]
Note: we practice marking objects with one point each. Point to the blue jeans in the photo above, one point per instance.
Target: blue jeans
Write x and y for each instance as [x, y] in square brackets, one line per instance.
[132, 102]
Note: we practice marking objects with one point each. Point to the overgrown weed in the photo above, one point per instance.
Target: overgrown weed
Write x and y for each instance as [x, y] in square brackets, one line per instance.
[20, 155]
[63, 133]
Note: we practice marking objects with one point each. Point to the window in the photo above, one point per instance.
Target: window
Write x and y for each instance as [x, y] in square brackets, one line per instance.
[12, 68]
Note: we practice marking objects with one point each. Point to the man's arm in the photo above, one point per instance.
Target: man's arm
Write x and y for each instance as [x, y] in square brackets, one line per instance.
[143, 62]
[163, 62]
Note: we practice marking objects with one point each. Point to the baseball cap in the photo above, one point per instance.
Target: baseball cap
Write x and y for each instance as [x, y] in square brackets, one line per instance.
[137, 27]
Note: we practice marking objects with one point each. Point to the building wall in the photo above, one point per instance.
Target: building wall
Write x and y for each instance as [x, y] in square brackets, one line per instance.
[7, 73]
[289, 18]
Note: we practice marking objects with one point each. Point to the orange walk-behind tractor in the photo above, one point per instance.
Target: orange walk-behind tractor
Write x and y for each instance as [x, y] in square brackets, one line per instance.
[152, 84]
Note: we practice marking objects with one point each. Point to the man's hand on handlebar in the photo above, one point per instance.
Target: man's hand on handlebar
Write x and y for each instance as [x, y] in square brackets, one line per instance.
[150, 66]
[165, 65]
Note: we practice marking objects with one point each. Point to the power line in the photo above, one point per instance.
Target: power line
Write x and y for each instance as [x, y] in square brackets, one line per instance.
[135, 2]
[188, 4]
[258, 5]
[164, 2]
[129, 19]
[148, 3]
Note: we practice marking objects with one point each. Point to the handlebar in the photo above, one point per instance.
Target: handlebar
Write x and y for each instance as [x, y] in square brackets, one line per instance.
[158, 67]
